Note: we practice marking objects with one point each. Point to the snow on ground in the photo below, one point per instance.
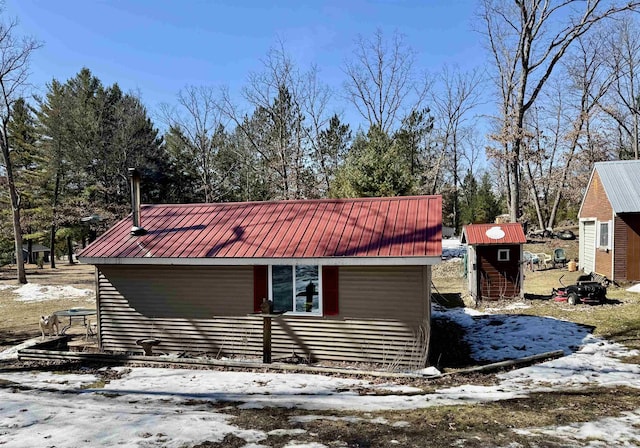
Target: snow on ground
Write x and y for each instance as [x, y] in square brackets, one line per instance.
[452, 248]
[612, 431]
[634, 288]
[451, 243]
[32, 292]
[12, 352]
[509, 307]
[496, 337]
[154, 407]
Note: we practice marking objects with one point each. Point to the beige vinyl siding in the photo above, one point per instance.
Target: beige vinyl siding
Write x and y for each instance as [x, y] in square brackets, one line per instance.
[205, 310]
[382, 293]
[183, 291]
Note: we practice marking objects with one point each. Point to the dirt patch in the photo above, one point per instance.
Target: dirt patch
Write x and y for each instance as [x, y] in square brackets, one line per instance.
[489, 424]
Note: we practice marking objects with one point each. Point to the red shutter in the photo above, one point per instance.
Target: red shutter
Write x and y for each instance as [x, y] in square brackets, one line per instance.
[260, 286]
[330, 290]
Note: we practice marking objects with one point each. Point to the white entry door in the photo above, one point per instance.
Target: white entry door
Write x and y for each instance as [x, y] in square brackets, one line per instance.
[588, 246]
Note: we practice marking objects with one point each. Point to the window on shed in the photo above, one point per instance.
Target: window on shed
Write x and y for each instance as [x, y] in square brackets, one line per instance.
[604, 237]
[296, 288]
[503, 254]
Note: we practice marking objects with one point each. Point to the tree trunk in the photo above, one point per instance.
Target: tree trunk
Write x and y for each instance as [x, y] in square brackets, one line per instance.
[22, 276]
[70, 249]
[514, 188]
[15, 207]
[52, 237]
[436, 175]
[52, 244]
[456, 201]
[536, 199]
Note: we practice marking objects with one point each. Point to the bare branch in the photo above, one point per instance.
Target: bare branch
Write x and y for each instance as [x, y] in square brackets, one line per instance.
[382, 83]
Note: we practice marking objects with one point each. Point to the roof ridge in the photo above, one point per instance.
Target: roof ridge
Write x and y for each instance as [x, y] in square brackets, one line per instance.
[611, 162]
[295, 201]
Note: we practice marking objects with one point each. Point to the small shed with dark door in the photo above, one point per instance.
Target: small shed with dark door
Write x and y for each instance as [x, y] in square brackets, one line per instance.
[494, 260]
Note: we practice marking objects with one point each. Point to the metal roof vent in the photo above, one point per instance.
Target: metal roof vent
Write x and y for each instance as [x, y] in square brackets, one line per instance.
[136, 229]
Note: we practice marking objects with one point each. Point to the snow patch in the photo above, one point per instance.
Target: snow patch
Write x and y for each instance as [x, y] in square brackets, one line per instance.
[618, 431]
[512, 306]
[497, 337]
[294, 444]
[634, 288]
[32, 292]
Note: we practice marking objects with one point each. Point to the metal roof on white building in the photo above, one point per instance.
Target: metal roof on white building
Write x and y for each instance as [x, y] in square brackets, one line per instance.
[621, 182]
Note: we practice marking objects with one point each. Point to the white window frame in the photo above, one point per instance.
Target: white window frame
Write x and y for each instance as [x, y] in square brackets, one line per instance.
[504, 254]
[599, 225]
[293, 298]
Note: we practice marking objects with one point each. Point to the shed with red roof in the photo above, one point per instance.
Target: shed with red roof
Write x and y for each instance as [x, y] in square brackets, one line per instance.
[494, 260]
[352, 277]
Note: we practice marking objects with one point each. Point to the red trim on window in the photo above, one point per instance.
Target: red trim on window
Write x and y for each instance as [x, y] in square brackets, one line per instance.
[260, 286]
[330, 290]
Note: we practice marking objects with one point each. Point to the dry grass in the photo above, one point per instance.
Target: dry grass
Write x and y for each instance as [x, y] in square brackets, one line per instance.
[20, 319]
[480, 425]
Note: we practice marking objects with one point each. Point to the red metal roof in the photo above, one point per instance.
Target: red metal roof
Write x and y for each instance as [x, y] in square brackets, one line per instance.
[390, 228]
[509, 233]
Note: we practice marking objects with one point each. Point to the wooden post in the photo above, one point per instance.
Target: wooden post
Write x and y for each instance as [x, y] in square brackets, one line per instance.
[266, 313]
[266, 309]
[266, 339]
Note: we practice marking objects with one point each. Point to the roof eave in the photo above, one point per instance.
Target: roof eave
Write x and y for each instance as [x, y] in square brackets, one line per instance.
[329, 261]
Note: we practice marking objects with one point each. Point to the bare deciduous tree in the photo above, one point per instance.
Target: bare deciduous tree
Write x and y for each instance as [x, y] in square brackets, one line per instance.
[527, 40]
[458, 94]
[589, 84]
[198, 123]
[623, 102]
[288, 111]
[382, 83]
[15, 54]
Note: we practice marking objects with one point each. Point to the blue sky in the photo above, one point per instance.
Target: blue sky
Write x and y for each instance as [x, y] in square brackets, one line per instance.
[158, 47]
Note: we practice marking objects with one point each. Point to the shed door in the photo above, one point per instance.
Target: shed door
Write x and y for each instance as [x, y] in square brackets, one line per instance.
[588, 243]
[498, 279]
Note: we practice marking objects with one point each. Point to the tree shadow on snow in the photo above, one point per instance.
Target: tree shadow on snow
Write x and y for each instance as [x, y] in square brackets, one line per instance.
[461, 340]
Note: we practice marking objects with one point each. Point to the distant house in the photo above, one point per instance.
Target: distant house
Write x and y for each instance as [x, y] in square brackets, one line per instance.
[353, 277]
[448, 232]
[610, 221]
[494, 260]
[38, 251]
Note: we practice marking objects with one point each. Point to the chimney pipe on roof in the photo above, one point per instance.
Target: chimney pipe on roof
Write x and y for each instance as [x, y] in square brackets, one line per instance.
[136, 229]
